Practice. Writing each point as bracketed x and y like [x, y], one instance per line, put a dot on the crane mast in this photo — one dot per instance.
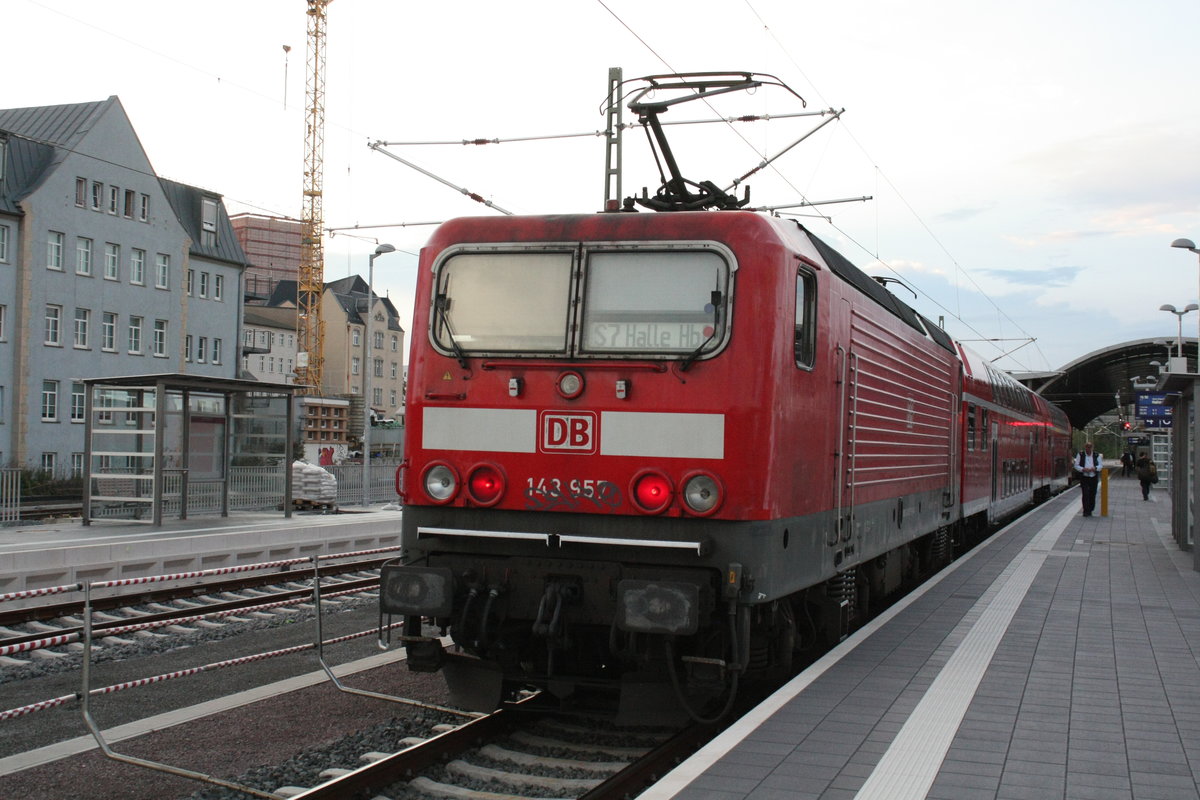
[310, 327]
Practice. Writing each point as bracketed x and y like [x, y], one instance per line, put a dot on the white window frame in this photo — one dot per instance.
[144, 208]
[49, 401]
[54, 250]
[83, 256]
[4, 237]
[216, 350]
[83, 323]
[97, 195]
[108, 332]
[53, 327]
[187, 348]
[81, 192]
[218, 288]
[112, 261]
[78, 398]
[137, 266]
[162, 271]
[160, 338]
[208, 222]
[135, 335]
[204, 284]
[201, 349]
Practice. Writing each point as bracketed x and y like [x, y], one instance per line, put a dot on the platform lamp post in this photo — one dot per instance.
[368, 368]
[1181, 362]
[1188, 244]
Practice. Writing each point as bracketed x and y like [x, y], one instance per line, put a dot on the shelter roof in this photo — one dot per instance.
[1103, 379]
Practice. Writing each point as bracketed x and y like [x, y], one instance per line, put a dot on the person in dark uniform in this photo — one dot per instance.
[1147, 474]
[1087, 465]
[1126, 464]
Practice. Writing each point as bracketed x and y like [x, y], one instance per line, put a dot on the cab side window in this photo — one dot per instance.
[806, 318]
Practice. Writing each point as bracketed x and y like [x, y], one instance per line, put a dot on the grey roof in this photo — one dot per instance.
[62, 125]
[26, 161]
[347, 292]
[177, 381]
[283, 293]
[39, 137]
[276, 317]
[186, 202]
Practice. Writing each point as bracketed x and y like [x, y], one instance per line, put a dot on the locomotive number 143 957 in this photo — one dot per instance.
[547, 493]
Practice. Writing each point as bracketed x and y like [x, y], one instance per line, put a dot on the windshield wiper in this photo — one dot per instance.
[690, 358]
[442, 304]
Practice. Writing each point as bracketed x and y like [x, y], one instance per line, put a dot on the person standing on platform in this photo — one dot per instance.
[1088, 465]
[1126, 463]
[1147, 474]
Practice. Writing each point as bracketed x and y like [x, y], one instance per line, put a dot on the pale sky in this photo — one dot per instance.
[1030, 161]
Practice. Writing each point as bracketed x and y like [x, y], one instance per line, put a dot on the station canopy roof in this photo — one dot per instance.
[1101, 380]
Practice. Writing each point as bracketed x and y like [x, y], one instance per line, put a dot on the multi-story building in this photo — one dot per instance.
[105, 270]
[269, 344]
[348, 354]
[272, 246]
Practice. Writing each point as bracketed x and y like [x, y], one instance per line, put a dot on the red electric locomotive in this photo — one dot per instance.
[653, 448]
[673, 449]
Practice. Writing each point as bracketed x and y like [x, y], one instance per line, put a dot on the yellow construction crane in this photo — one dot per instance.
[310, 327]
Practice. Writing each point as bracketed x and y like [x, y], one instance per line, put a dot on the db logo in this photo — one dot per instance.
[574, 433]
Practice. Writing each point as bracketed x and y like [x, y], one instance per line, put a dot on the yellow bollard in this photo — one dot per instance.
[1104, 492]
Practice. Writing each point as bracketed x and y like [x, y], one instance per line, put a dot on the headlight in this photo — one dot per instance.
[701, 493]
[441, 484]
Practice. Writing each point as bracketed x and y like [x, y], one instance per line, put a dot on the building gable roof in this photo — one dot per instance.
[63, 126]
[187, 203]
[25, 162]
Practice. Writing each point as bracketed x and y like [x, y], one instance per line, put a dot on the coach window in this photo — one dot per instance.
[806, 318]
[983, 430]
[970, 427]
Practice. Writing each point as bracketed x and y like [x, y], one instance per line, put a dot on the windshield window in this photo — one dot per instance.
[504, 302]
[647, 302]
[631, 301]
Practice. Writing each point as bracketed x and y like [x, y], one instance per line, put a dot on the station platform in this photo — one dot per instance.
[1058, 659]
[43, 555]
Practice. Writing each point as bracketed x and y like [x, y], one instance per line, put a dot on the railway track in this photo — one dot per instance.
[515, 752]
[60, 627]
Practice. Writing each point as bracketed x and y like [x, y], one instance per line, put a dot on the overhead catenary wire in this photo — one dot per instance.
[379, 148]
[957, 266]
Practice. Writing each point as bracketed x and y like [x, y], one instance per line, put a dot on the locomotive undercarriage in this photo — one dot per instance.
[583, 630]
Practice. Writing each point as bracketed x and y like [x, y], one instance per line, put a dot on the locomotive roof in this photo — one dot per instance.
[844, 269]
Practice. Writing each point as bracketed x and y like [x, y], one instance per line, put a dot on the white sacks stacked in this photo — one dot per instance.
[311, 483]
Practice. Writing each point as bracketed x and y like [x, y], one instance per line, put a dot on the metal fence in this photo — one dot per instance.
[250, 489]
[10, 495]
[350, 482]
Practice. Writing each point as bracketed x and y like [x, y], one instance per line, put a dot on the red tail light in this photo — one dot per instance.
[486, 484]
[652, 492]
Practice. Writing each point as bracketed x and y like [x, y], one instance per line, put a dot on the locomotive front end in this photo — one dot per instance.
[566, 480]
